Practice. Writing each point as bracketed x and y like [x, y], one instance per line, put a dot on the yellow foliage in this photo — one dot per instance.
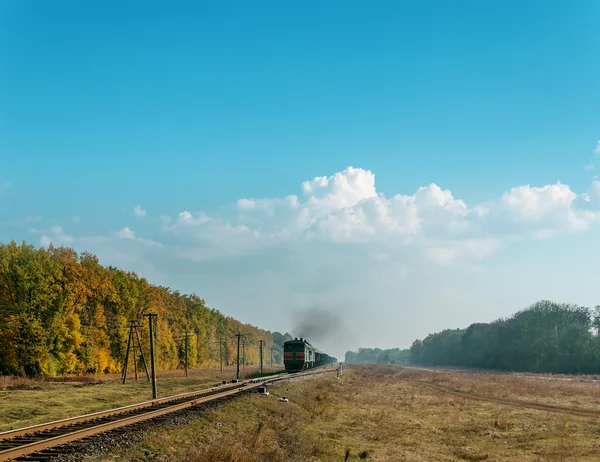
[77, 312]
[103, 360]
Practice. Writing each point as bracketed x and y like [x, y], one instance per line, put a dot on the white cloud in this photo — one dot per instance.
[121, 249]
[340, 239]
[534, 203]
[54, 235]
[593, 194]
[138, 211]
[267, 206]
[341, 190]
[345, 208]
[126, 233]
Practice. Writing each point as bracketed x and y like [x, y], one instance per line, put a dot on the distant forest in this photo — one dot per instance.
[545, 337]
[378, 356]
[64, 313]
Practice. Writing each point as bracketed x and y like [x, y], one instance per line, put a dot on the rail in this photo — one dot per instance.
[34, 439]
[10, 434]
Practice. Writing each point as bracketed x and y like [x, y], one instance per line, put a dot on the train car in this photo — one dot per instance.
[326, 359]
[299, 355]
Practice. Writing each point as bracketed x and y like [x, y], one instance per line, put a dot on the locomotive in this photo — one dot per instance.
[299, 355]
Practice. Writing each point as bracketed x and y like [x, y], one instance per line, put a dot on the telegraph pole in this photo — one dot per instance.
[221, 352]
[133, 336]
[137, 335]
[152, 363]
[134, 357]
[261, 356]
[126, 362]
[237, 373]
[186, 352]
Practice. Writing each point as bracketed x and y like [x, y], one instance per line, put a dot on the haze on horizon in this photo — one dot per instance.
[392, 170]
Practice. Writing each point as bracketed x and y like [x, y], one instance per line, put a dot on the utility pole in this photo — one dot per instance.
[237, 373]
[134, 359]
[152, 363]
[261, 358]
[137, 335]
[221, 352]
[186, 353]
[126, 362]
[131, 340]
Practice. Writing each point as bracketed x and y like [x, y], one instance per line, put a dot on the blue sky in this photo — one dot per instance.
[190, 108]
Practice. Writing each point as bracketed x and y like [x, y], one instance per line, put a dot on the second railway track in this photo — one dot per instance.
[39, 442]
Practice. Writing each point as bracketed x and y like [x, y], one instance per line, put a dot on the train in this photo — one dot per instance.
[299, 355]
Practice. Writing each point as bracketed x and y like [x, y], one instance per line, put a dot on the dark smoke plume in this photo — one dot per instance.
[317, 324]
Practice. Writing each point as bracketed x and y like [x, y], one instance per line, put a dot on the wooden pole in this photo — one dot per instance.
[186, 353]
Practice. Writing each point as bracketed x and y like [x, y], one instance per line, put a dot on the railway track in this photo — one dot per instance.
[40, 442]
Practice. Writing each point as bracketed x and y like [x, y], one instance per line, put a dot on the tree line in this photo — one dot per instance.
[64, 313]
[545, 337]
[378, 356]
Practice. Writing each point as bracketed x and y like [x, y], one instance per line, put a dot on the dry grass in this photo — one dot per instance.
[25, 402]
[375, 414]
[558, 390]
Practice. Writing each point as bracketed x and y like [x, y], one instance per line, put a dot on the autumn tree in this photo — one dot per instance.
[64, 313]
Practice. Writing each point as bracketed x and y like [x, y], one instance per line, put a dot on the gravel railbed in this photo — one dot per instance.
[126, 436]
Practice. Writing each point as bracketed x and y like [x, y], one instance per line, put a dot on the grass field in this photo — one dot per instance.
[385, 413]
[582, 391]
[25, 402]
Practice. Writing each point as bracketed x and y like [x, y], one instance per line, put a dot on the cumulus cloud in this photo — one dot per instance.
[126, 233]
[339, 243]
[341, 190]
[534, 203]
[345, 208]
[547, 210]
[138, 211]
